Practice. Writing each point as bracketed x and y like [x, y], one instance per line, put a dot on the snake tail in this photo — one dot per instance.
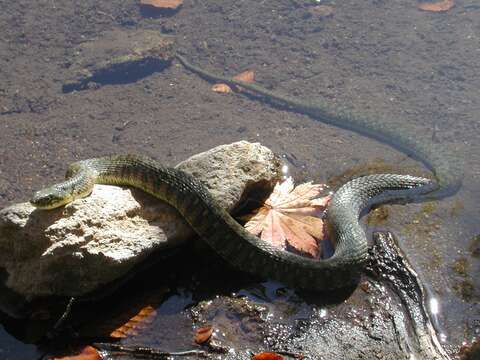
[446, 166]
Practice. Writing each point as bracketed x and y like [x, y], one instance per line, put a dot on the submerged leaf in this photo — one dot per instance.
[267, 356]
[87, 353]
[163, 4]
[247, 76]
[443, 5]
[203, 334]
[137, 323]
[291, 216]
[222, 88]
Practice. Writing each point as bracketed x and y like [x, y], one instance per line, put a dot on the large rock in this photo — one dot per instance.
[93, 241]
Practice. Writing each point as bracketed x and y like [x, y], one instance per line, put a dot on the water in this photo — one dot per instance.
[382, 59]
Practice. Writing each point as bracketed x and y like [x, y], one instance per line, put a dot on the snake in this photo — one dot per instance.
[229, 239]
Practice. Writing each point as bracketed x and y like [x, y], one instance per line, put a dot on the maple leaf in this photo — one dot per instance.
[291, 216]
[439, 6]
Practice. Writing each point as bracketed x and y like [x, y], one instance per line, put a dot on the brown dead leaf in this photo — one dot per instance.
[137, 323]
[246, 76]
[222, 88]
[443, 5]
[203, 334]
[163, 4]
[87, 353]
[291, 216]
[267, 356]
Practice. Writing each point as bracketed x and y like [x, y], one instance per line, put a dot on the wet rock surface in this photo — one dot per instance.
[92, 241]
[389, 265]
[382, 318]
[119, 56]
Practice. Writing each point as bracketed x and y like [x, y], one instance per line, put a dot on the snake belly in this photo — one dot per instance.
[225, 235]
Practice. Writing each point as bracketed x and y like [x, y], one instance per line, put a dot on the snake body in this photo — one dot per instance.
[225, 235]
[229, 239]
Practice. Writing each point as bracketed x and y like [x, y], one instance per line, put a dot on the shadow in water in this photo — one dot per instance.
[117, 74]
[172, 285]
[156, 12]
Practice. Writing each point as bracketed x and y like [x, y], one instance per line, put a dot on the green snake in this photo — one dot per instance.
[236, 245]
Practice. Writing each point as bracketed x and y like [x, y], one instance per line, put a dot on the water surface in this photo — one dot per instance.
[382, 59]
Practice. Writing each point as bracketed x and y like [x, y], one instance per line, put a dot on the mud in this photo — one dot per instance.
[380, 58]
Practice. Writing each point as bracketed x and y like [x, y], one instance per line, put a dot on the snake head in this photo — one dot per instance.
[51, 198]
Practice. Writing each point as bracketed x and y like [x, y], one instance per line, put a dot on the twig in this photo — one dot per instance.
[147, 351]
[51, 334]
[99, 12]
[294, 355]
[66, 313]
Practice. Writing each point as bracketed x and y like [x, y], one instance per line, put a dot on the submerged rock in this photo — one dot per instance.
[119, 56]
[75, 249]
[385, 317]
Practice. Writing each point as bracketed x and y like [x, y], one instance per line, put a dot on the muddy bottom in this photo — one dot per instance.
[388, 60]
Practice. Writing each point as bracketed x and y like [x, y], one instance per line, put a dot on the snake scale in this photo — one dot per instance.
[229, 239]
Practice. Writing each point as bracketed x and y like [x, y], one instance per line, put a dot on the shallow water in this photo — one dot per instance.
[382, 59]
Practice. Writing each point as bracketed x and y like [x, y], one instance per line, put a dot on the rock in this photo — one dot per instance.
[75, 249]
[119, 56]
[225, 169]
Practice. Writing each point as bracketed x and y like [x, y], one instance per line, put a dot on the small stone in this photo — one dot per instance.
[321, 11]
